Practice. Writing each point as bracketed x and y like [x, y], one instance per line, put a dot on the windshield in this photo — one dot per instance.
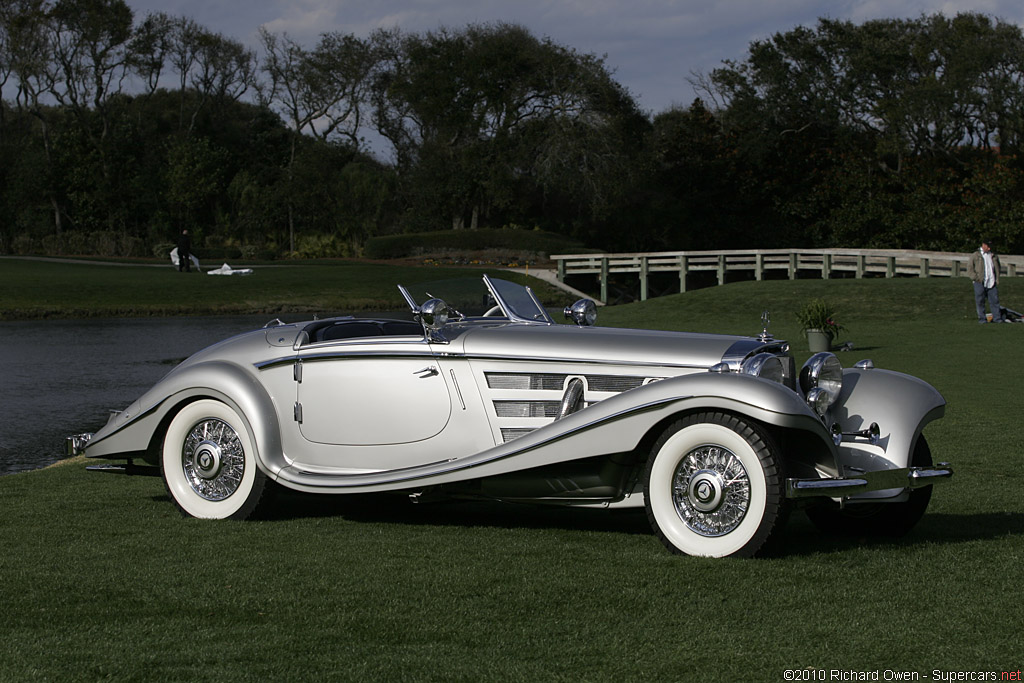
[518, 302]
[465, 298]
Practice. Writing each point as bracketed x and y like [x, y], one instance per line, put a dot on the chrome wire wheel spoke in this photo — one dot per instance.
[711, 490]
[213, 460]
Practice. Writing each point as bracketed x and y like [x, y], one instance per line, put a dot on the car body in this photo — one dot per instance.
[715, 435]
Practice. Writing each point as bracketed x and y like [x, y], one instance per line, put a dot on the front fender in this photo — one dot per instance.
[900, 404]
[133, 430]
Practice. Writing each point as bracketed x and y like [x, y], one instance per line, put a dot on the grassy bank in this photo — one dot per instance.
[42, 289]
[102, 580]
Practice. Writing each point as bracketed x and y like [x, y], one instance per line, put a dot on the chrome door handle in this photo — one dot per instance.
[429, 371]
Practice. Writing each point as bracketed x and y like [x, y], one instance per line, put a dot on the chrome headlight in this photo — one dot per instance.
[817, 399]
[434, 314]
[823, 372]
[765, 366]
[583, 312]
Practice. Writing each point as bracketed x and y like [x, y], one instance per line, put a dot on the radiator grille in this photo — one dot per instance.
[510, 433]
[555, 382]
[524, 380]
[526, 408]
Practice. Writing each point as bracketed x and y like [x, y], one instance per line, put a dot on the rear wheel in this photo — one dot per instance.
[713, 487]
[208, 462]
[890, 520]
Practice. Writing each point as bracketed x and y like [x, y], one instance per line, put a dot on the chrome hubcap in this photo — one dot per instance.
[711, 490]
[208, 460]
[706, 490]
[213, 460]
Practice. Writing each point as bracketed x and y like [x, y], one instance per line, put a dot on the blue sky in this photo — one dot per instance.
[653, 46]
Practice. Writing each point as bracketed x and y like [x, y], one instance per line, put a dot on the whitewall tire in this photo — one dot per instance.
[208, 462]
[713, 486]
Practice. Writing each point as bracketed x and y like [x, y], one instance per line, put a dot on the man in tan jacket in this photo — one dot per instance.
[983, 269]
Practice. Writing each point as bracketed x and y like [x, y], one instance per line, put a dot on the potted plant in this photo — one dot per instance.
[818, 320]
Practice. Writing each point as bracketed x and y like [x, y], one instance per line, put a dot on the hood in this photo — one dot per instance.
[606, 345]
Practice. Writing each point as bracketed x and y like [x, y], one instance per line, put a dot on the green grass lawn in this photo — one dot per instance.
[43, 289]
[103, 580]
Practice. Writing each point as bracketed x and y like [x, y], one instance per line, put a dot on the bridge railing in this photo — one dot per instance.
[821, 262]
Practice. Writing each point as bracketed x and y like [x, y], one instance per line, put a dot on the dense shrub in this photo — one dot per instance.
[536, 244]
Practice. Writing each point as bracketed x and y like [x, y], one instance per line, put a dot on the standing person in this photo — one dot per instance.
[185, 252]
[983, 270]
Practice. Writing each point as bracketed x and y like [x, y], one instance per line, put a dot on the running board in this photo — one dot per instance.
[128, 468]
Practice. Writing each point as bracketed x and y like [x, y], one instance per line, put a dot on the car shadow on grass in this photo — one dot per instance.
[398, 509]
[286, 505]
[799, 537]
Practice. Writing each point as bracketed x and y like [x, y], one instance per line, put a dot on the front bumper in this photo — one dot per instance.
[75, 444]
[859, 481]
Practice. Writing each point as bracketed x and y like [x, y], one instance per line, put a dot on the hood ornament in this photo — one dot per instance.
[765, 335]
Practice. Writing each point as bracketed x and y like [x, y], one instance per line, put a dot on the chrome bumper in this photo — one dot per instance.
[76, 443]
[862, 482]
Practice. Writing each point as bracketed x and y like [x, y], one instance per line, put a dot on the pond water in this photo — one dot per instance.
[61, 377]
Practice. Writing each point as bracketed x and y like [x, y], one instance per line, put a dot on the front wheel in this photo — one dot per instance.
[713, 487]
[208, 463]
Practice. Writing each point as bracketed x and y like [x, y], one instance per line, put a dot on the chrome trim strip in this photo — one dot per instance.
[458, 390]
[902, 478]
[578, 361]
[341, 355]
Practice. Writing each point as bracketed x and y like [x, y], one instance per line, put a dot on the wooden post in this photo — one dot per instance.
[890, 266]
[758, 266]
[561, 270]
[643, 278]
[721, 269]
[604, 280]
[924, 267]
[1011, 269]
[792, 266]
[684, 266]
[955, 272]
[861, 265]
[826, 266]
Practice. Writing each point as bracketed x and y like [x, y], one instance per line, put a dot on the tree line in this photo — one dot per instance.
[116, 132]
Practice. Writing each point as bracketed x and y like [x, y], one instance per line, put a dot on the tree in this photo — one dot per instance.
[89, 43]
[27, 30]
[471, 114]
[194, 176]
[150, 49]
[320, 92]
[856, 106]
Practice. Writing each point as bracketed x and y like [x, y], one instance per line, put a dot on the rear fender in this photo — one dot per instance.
[140, 427]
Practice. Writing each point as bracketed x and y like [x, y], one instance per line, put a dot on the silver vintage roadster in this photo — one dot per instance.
[717, 436]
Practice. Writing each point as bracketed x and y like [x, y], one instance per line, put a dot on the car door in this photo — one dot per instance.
[384, 391]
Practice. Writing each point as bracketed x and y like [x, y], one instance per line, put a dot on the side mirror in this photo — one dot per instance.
[583, 312]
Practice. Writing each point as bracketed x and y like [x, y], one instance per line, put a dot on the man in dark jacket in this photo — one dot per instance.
[184, 252]
[983, 269]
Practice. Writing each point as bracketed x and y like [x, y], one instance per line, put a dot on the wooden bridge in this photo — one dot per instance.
[795, 262]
